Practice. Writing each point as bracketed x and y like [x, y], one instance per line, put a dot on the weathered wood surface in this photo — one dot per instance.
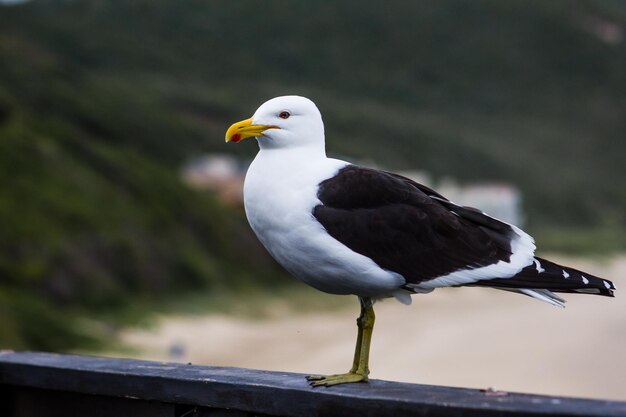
[175, 389]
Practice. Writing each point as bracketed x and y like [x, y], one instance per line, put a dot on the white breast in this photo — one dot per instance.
[280, 193]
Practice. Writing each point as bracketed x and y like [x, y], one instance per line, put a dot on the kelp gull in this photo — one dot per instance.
[345, 229]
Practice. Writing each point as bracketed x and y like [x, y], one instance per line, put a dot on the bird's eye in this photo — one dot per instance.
[284, 115]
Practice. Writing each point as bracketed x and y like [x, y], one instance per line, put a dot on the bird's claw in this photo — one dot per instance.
[336, 379]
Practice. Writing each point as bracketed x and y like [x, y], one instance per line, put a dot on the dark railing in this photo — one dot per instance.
[51, 385]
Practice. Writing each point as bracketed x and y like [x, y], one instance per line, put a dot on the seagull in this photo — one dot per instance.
[345, 229]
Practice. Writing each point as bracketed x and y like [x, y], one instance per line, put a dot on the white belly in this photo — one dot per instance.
[279, 198]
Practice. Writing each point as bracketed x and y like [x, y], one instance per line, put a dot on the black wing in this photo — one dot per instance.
[412, 230]
[407, 228]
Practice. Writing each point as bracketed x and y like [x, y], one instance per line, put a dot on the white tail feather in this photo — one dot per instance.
[541, 295]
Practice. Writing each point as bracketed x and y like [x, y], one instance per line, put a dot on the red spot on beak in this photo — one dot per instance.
[235, 138]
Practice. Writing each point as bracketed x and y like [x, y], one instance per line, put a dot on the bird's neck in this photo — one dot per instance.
[308, 151]
[280, 164]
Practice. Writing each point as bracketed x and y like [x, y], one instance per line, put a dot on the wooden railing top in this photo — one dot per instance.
[273, 393]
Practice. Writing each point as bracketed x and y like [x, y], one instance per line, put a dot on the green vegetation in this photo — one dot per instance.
[101, 101]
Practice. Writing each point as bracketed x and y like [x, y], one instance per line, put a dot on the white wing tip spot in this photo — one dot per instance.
[607, 285]
[538, 266]
[585, 280]
[565, 274]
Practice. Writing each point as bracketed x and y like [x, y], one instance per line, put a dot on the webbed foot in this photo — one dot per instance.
[336, 379]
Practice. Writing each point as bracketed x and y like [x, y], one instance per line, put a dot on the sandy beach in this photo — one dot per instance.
[466, 337]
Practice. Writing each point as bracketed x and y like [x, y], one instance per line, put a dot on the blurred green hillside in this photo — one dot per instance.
[101, 101]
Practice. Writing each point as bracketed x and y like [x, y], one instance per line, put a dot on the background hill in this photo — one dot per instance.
[102, 101]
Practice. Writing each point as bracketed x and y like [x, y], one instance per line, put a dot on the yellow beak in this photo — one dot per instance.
[245, 129]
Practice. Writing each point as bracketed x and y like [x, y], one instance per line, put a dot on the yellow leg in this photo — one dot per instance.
[368, 329]
[357, 349]
[360, 366]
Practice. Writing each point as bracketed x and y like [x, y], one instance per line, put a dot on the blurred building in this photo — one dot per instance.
[221, 173]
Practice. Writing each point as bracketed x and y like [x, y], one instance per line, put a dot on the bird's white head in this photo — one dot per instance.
[282, 122]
